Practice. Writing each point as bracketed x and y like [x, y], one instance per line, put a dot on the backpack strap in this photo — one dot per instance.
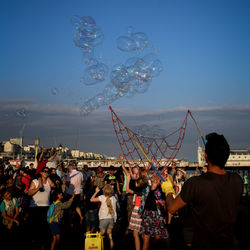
[52, 217]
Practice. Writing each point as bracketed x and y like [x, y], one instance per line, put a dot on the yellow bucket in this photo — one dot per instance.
[93, 241]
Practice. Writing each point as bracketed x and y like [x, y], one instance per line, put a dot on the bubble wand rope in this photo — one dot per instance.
[204, 142]
[139, 146]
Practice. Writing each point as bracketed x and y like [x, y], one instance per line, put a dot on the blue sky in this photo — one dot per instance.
[203, 46]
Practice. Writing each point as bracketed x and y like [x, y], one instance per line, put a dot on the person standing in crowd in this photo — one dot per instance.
[111, 179]
[74, 181]
[26, 179]
[42, 161]
[135, 219]
[98, 178]
[10, 184]
[55, 215]
[55, 178]
[179, 179]
[87, 173]
[91, 209]
[152, 212]
[173, 168]
[107, 212]
[2, 179]
[39, 193]
[59, 171]
[215, 197]
[135, 174]
[32, 171]
[120, 177]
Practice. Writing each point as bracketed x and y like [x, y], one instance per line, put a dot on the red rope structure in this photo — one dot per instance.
[161, 151]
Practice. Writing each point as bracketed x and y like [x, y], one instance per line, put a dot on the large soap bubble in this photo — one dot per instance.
[88, 35]
[126, 44]
[120, 77]
[140, 39]
[136, 41]
[95, 73]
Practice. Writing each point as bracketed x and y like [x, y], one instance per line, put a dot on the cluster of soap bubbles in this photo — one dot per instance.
[96, 72]
[136, 74]
[88, 35]
[125, 79]
[109, 94]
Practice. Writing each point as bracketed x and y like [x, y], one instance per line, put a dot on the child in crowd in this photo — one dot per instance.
[151, 211]
[107, 211]
[135, 174]
[135, 219]
[10, 210]
[55, 217]
[91, 208]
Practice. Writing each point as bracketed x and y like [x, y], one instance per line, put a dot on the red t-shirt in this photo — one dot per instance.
[40, 166]
[26, 181]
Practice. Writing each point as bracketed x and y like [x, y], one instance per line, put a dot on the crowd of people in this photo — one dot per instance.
[44, 201]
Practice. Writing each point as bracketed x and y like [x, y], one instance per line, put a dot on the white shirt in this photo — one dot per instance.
[75, 178]
[41, 199]
[103, 211]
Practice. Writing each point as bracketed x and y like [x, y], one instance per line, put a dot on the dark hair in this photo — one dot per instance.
[111, 168]
[26, 171]
[55, 193]
[142, 182]
[217, 149]
[4, 190]
[38, 176]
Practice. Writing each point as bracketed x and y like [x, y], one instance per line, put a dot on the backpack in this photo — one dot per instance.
[51, 216]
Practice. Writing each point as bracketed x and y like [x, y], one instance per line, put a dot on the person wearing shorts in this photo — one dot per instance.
[107, 212]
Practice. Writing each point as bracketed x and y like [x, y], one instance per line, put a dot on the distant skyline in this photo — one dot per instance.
[203, 46]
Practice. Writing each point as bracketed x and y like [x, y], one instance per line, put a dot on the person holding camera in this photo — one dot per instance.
[39, 193]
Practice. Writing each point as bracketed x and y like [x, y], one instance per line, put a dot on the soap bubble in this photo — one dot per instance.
[150, 131]
[91, 104]
[140, 39]
[95, 73]
[54, 91]
[21, 113]
[111, 93]
[130, 30]
[126, 44]
[120, 77]
[88, 35]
